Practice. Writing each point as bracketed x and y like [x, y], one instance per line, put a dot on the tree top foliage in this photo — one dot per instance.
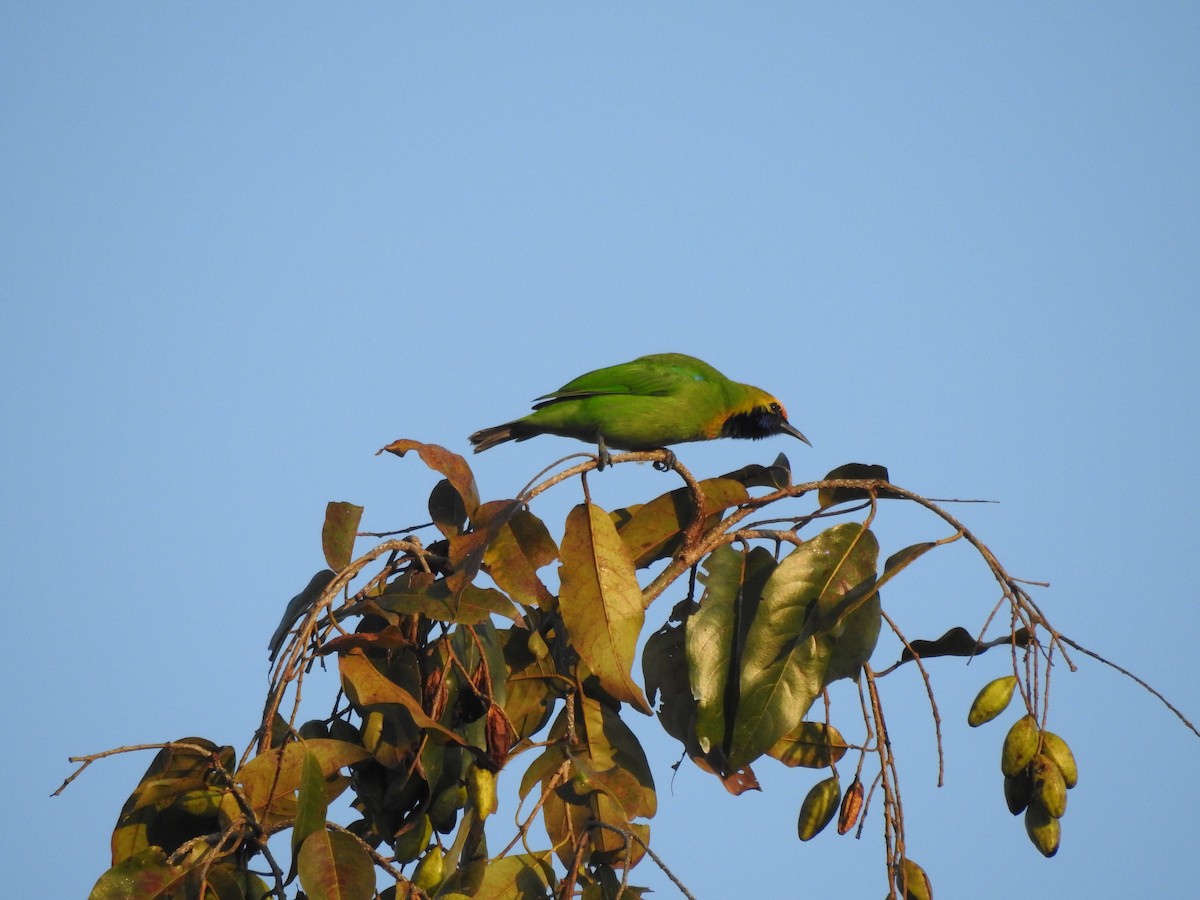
[466, 658]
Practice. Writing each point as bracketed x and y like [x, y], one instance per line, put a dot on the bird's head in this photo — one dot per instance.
[760, 416]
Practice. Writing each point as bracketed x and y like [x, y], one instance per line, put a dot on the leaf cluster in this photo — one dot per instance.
[497, 647]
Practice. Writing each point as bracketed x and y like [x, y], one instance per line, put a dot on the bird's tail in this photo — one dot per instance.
[490, 437]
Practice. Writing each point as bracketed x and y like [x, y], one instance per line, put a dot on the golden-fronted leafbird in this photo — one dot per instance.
[648, 404]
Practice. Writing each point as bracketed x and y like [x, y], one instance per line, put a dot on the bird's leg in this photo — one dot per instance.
[603, 457]
[667, 463]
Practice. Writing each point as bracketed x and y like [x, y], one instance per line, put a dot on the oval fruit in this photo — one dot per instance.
[851, 806]
[1020, 745]
[443, 811]
[1056, 748]
[1018, 791]
[818, 807]
[992, 700]
[913, 882]
[481, 791]
[1049, 788]
[1043, 829]
[412, 843]
[430, 870]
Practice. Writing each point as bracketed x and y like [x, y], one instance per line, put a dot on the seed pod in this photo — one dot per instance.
[372, 733]
[443, 811]
[992, 700]
[1043, 829]
[913, 882]
[1018, 791]
[818, 807]
[1049, 788]
[481, 791]
[1020, 745]
[1056, 748]
[851, 806]
[412, 843]
[430, 870]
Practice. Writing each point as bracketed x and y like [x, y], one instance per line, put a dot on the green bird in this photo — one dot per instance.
[647, 404]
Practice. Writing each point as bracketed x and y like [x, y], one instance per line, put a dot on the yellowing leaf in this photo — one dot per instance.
[601, 601]
[338, 533]
[271, 779]
[335, 866]
[366, 686]
[453, 466]
[656, 527]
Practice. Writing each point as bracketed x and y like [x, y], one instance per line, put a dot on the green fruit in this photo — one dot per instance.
[913, 882]
[1049, 788]
[819, 807]
[1018, 791]
[1020, 745]
[313, 730]
[372, 733]
[481, 791]
[443, 811]
[1056, 748]
[992, 700]
[1043, 829]
[341, 730]
[430, 870]
[412, 843]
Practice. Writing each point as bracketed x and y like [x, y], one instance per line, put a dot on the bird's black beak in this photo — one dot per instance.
[787, 428]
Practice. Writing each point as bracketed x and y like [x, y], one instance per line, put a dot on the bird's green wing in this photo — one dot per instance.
[650, 376]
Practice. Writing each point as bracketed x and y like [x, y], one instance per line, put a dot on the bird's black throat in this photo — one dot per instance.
[755, 424]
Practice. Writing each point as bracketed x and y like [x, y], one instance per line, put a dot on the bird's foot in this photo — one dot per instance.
[603, 457]
[667, 463]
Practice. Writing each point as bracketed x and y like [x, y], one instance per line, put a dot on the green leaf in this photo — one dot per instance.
[664, 666]
[176, 775]
[528, 876]
[225, 882]
[901, 559]
[785, 661]
[143, 876]
[709, 641]
[335, 866]
[854, 639]
[601, 601]
[311, 807]
[339, 532]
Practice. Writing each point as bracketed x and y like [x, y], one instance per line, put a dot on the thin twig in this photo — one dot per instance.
[1142, 683]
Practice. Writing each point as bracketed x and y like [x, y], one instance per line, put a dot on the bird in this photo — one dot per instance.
[648, 404]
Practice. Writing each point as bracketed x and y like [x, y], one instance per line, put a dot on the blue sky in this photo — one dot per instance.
[245, 246]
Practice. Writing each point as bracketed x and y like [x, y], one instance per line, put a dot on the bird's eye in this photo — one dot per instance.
[776, 408]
